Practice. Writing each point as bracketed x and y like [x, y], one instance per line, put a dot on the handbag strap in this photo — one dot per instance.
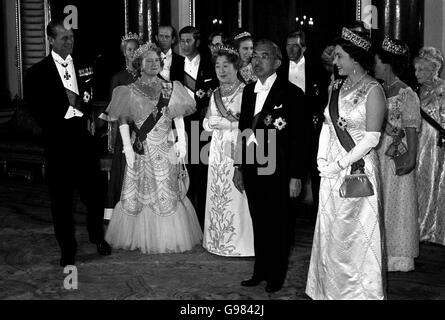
[343, 135]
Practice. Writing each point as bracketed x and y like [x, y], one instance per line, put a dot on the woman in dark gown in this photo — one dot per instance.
[130, 74]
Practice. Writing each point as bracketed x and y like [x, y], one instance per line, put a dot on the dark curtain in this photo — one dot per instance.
[4, 94]
[403, 20]
[275, 19]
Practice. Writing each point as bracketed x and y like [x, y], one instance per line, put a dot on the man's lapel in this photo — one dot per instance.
[271, 101]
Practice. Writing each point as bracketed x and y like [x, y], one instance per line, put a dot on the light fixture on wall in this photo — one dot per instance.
[216, 21]
[304, 21]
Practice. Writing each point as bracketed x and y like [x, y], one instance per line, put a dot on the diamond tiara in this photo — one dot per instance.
[131, 36]
[392, 47]
[242, 35]
[148, 46]
[225, 49]
[355, 39]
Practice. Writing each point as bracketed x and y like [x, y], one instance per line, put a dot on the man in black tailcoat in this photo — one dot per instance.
[199, 80]
[270, 161]
[306, 72]
[59, 99]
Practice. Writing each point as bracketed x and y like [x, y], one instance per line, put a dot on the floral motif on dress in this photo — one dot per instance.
[221, 227]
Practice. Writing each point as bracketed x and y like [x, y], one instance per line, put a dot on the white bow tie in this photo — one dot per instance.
[261, 87]
[73, 113]
[67, 61]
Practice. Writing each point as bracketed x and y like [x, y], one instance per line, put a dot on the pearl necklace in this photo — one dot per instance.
[227, 90]
[347, 86]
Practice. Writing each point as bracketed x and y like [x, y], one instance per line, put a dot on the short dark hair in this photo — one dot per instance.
[298, 34]
[218, 33]
[174, 32]
[398, 62]
[275, 50]
[365, 58]
[51, 27]
[192, 30]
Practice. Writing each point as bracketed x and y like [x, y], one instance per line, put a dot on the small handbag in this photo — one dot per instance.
[356, 185]
[184, 180]
[400, 161]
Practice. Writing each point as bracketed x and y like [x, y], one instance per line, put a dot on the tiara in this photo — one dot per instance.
[392, 47]
[242, 35]
[225, 49]
[355, 39]
[131, 36]
[148, 46]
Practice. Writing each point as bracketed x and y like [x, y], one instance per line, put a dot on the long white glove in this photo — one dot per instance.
[322, 158]
[217, 122]
[369, 141]
[128, 148]
[181, 145]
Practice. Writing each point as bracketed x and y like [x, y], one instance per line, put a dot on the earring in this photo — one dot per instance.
[354, 72]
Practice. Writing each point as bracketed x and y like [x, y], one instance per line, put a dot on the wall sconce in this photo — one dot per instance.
[216, 21]
[304, 21]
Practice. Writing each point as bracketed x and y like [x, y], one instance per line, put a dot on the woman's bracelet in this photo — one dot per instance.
[339, 165]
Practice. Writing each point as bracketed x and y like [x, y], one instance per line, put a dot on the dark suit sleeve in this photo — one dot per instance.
[32, 95]
[299, 129]
[243, 124]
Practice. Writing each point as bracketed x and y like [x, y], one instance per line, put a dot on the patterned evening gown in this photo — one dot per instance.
[399, 192]
[430, 174]
[228, 225]
[347, 250]
[152, 215]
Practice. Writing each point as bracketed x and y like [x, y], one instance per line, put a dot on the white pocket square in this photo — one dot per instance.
[72, 112]
[207, 80]
[278, 107]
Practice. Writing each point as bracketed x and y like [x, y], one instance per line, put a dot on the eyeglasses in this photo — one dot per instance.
[152, 61]
[262, 57]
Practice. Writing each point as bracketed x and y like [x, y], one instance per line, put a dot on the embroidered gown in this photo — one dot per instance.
[399, 192]
[228, 225]
[346, 257]
[152, 215]
[430, 173]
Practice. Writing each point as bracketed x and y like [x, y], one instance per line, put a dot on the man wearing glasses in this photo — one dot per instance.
[270, 111]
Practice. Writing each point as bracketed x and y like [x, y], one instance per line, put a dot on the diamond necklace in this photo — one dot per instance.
[347, 87]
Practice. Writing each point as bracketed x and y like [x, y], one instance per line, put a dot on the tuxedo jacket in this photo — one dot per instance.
[177, 67]
[285, 102]
[206, 82]
[48, 103]
[314, 85]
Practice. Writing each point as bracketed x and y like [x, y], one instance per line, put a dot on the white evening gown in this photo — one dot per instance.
[347, 250]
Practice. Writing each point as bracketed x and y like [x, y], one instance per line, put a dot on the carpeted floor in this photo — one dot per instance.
[29, 258]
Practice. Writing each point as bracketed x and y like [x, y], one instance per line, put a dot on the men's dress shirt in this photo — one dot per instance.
[262, 91]
[167, 58]
[297, 73]
[191, 67]
[65, 67]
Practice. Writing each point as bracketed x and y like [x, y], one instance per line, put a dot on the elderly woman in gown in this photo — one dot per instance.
[153, 215]
[228, 225]
[430, 172]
